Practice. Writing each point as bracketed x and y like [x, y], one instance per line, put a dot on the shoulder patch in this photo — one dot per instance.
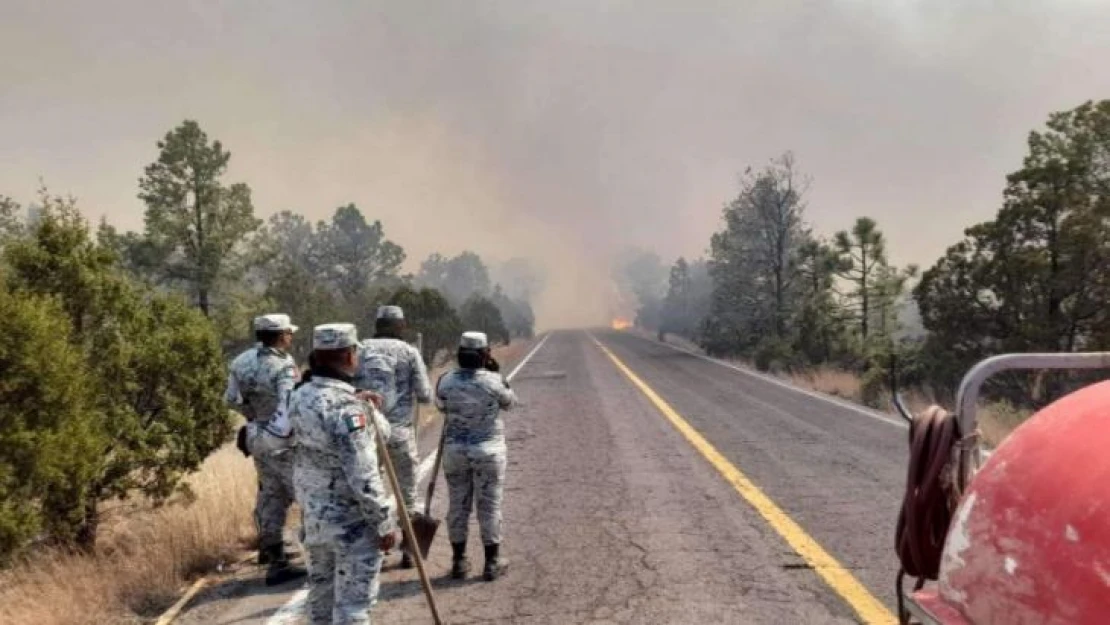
[355, 422]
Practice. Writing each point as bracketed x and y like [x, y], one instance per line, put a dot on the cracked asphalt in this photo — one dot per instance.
[612, 517]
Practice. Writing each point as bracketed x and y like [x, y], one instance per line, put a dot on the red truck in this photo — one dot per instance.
[1020, 536]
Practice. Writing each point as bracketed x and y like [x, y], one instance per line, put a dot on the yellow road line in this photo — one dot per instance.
[870, 610]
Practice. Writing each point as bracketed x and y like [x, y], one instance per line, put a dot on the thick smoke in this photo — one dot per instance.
[561, 132]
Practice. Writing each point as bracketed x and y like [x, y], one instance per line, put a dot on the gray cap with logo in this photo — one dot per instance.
[474, 340]
[274, 323]
[393, 313]
[334, 336]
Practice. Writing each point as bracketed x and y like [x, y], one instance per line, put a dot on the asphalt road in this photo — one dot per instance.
[612, 516]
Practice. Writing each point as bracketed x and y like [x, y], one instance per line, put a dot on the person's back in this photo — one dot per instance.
[348, 519]
[474, 451]
[263, 375]
[408, 381]
[377, 372]
[472, 400]
[395, 370]
[323, 413]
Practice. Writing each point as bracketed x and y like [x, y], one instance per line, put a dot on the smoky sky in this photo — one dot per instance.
[559, 131]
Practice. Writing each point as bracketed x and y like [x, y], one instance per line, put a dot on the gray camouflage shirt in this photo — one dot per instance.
[335, 461]
[409, 376]
[259, 380]
[472, 401]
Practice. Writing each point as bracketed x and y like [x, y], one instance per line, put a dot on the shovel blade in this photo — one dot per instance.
[425, 528]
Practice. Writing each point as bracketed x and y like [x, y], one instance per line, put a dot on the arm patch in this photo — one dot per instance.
[355, 422]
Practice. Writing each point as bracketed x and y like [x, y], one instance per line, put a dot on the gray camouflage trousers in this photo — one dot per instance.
[275, 495]
[475, 475]
[343, 578]
[402, 451]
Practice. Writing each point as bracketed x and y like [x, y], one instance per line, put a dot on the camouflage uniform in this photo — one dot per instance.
[260, 381]
[474, 452]
[346, 509]
[396, 370]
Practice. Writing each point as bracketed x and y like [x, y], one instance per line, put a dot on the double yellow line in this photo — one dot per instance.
[869, 609]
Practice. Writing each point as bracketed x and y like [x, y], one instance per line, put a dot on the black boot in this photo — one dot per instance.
[406, 556]
[280, 569]
[460, 566]
[495, 565]
[265, 555]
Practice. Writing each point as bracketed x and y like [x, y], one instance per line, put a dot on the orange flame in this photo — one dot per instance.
[621, 323]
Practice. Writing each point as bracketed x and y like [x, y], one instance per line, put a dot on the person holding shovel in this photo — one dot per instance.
[348, 517]
[474, 453]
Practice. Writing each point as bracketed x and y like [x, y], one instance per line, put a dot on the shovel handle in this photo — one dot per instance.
[406, 525]
[435, 471]
[439, 457]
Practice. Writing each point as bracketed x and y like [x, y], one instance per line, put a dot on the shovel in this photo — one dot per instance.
[406, 524]
[423, 525]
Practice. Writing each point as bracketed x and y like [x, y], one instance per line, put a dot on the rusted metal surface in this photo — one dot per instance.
[1030, 542]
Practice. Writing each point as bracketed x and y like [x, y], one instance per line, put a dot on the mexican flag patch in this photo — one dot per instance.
[355, 422]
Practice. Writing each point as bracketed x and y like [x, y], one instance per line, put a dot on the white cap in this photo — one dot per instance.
[334, 336]
[390, 312]
[274, 323]
[474, 340]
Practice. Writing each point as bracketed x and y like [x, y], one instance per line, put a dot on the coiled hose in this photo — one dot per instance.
[934, 484]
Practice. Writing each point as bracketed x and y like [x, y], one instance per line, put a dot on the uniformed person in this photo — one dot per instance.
[278, 434]
[390, 366]
[471, 398]
[259, 383]
[348, 518]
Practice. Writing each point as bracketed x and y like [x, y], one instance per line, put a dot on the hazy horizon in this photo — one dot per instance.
[563, 134]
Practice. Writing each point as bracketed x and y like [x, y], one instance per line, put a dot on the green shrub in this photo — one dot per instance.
[128, 394]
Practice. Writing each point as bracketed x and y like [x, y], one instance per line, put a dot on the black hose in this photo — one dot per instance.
[934, 485]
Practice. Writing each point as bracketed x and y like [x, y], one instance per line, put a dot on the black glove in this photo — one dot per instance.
[493, 365]
[241, 442]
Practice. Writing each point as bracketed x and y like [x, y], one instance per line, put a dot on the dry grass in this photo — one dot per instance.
[145, 555]
[996, 419]
[836, 382]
